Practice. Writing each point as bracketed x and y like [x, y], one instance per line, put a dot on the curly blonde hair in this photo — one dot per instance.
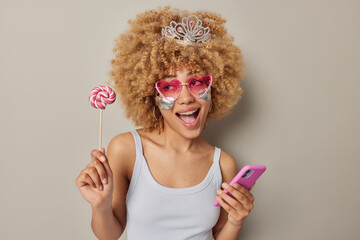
[143, 56]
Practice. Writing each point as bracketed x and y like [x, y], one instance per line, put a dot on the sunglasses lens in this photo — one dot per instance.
[170, 90]
[200, 86]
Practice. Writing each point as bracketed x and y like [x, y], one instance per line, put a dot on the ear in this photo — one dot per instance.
[156, 100]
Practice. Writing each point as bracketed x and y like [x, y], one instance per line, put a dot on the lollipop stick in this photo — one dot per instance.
[100, 136]
[99, 97]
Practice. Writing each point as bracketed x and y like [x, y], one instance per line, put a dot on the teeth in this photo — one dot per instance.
[188, 113]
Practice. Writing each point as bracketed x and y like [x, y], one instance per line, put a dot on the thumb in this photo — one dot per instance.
[103, 150]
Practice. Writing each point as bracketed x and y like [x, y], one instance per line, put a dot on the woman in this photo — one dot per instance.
[160, 181]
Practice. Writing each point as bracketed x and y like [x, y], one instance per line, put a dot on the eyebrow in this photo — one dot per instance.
[169, 76]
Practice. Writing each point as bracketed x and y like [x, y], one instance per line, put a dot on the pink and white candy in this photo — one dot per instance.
[101, 95]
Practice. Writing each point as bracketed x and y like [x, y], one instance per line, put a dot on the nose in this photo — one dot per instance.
[185, 95]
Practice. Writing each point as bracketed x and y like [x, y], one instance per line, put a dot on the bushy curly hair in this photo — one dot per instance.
[143, 56]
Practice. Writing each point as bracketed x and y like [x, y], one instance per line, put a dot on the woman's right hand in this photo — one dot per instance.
[90, 181]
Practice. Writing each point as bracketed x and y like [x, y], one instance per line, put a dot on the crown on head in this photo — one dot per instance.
[190, 30]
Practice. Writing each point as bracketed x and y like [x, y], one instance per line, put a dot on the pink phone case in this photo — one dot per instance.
[247, 181]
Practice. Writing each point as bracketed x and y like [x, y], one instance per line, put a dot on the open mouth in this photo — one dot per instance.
[188, 119]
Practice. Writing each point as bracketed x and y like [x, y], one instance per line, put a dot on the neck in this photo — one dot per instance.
[177, 142]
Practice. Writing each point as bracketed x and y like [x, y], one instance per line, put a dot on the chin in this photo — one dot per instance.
[191, 134]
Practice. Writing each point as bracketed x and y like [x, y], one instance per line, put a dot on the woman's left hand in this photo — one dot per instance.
[238, 208]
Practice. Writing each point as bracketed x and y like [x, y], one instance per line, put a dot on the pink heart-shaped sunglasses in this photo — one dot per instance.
[171, 90]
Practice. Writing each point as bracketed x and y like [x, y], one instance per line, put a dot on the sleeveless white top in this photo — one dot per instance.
[156, 212]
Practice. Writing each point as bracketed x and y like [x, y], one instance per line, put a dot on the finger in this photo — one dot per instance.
[244, 191]
[96, 154]
[89, 181]
[225, 205]
[101, 169]
[93, 173]
[240, 197]
[233, 202]
[105, 163]
[84, 179]
[252, 186]
[107, 167]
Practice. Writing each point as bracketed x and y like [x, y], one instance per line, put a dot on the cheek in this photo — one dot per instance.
[164, 103]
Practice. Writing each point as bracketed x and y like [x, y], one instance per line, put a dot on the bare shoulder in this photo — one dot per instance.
[121, 141]
[121, 152]
[228, 166]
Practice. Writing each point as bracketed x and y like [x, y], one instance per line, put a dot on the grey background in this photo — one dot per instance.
[299, 114]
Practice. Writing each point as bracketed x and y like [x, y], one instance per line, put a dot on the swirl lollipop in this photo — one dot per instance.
[99, 97]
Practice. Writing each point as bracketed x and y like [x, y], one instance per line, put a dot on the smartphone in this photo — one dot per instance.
[246, 177]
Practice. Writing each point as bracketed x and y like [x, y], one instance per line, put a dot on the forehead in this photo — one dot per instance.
[181, 71]
[172, 70]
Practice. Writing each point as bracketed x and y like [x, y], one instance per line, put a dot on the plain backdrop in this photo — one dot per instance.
[299, 114]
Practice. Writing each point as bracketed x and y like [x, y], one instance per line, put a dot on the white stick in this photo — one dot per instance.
[100, 136]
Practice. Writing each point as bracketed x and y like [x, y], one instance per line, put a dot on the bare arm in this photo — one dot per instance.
[235, 210]
[228, 232]
[105, 225]
[108, 223]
